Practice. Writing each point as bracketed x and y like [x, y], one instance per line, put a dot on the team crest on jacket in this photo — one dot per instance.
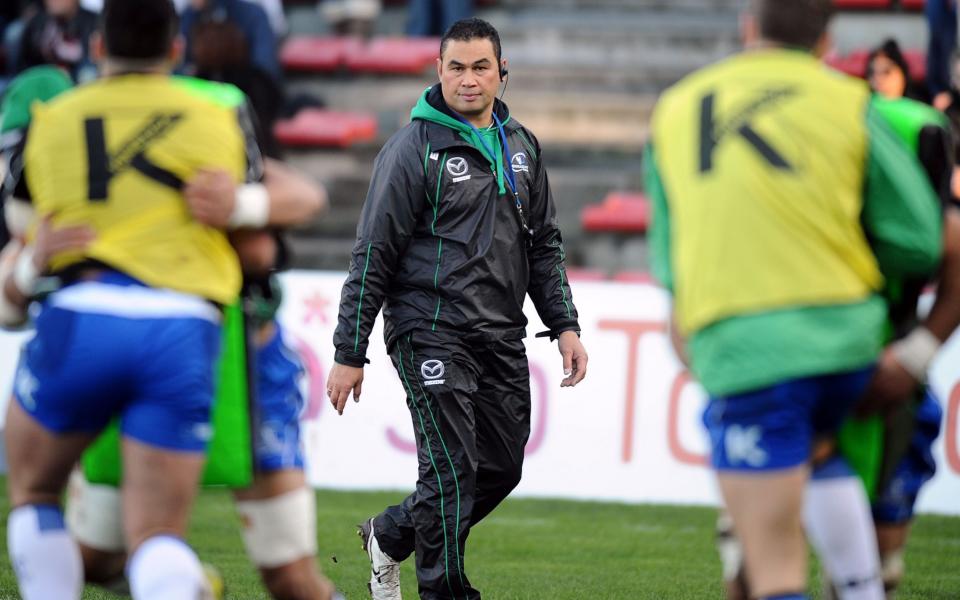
[457, 167]
[432, 371]
[519, 163]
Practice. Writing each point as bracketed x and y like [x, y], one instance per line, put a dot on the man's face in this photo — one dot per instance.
[469, 77]
[61, 8]
[886, 78]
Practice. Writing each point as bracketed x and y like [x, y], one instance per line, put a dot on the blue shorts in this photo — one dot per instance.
[775, 428]
[115, 347]
[895, 501]
[279, 405]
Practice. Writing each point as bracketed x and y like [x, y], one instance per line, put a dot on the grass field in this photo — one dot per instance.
[541, 549]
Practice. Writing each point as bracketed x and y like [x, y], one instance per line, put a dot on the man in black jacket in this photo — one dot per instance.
[458, 227]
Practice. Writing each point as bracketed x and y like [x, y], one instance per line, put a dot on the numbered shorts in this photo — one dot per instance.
[896, 499]
[774, 428]
[115, 347]
[280, 402]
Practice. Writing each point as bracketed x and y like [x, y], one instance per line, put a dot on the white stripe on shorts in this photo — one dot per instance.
[133, 301]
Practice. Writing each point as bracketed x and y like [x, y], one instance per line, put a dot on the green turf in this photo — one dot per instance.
[545, 549]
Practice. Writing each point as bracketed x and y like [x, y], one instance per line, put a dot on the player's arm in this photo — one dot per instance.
[549, 288]
[659, 239]
[394, 203]
[901, 212]
[283, 198]
[22, 265]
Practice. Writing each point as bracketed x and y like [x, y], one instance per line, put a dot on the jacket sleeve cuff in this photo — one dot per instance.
[554, 332]
[350, 359]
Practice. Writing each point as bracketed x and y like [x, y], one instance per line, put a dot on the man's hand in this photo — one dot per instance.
[50, 241]
[211, 197]
[574, 358]
[891, 386]
[340, 382]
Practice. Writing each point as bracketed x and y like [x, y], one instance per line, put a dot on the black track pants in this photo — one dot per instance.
[470, 405]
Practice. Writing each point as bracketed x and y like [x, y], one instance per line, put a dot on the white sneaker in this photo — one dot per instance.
[384, 571]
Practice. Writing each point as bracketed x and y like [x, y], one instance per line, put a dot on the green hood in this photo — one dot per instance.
[426, 111]
[38, 84]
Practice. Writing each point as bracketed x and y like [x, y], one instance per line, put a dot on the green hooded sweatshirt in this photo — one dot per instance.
[490, 140]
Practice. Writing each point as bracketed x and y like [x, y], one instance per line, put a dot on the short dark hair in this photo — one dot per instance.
[799, 23]
[473, 28]
[891, 49]
[139, 29]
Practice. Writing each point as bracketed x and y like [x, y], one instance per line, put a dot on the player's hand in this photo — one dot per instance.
[51, 240]
[574, 358]
[211, 197]
[890, 387]
[340, 382]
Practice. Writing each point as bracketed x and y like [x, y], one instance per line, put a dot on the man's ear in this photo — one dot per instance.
[98, 51]
[175, 56]
[824, 44]
[749, 29]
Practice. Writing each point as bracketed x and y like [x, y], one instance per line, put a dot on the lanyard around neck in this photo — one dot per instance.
[507, 169]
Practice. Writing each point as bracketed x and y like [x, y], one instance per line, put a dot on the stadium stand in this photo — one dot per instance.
[326, 129]
[620, 212]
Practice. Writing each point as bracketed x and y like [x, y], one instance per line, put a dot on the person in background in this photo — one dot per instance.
[889, 74]
[762, 216]
[427, 18]
[458, 228]
[59, 34]
[942, 28]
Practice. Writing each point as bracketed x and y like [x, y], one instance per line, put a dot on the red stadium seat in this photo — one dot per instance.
[913, 4]
[855, 63]
[620, 212]
[318, 54]
[586, 275]
[862, 4]
[394, 55]
[633, 277]
[324, 128]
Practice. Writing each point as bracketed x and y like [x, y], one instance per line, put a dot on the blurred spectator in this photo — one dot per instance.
[13, 14]
[220, 49]
[942, 21]
[274, 10]
[433, 17]
[951, 108]
[58, 34]
[351, 17]
[216, 17]
[889, 74]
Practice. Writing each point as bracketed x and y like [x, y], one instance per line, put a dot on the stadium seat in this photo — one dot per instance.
[620, 212]
[326, 129]
[317, 53]
[913, 4]
[862, 4]
[586, 275]
[855, 63]
[394, 55]
[633, 277]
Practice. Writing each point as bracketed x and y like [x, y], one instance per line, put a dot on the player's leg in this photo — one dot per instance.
[439, 376]
[893, 508]
[45, 558]
[838, 525]
[95, 520]
[165, 429]
[279, 517]
[761, 443]
[61, 401]
[502, 410]
[278, 510]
